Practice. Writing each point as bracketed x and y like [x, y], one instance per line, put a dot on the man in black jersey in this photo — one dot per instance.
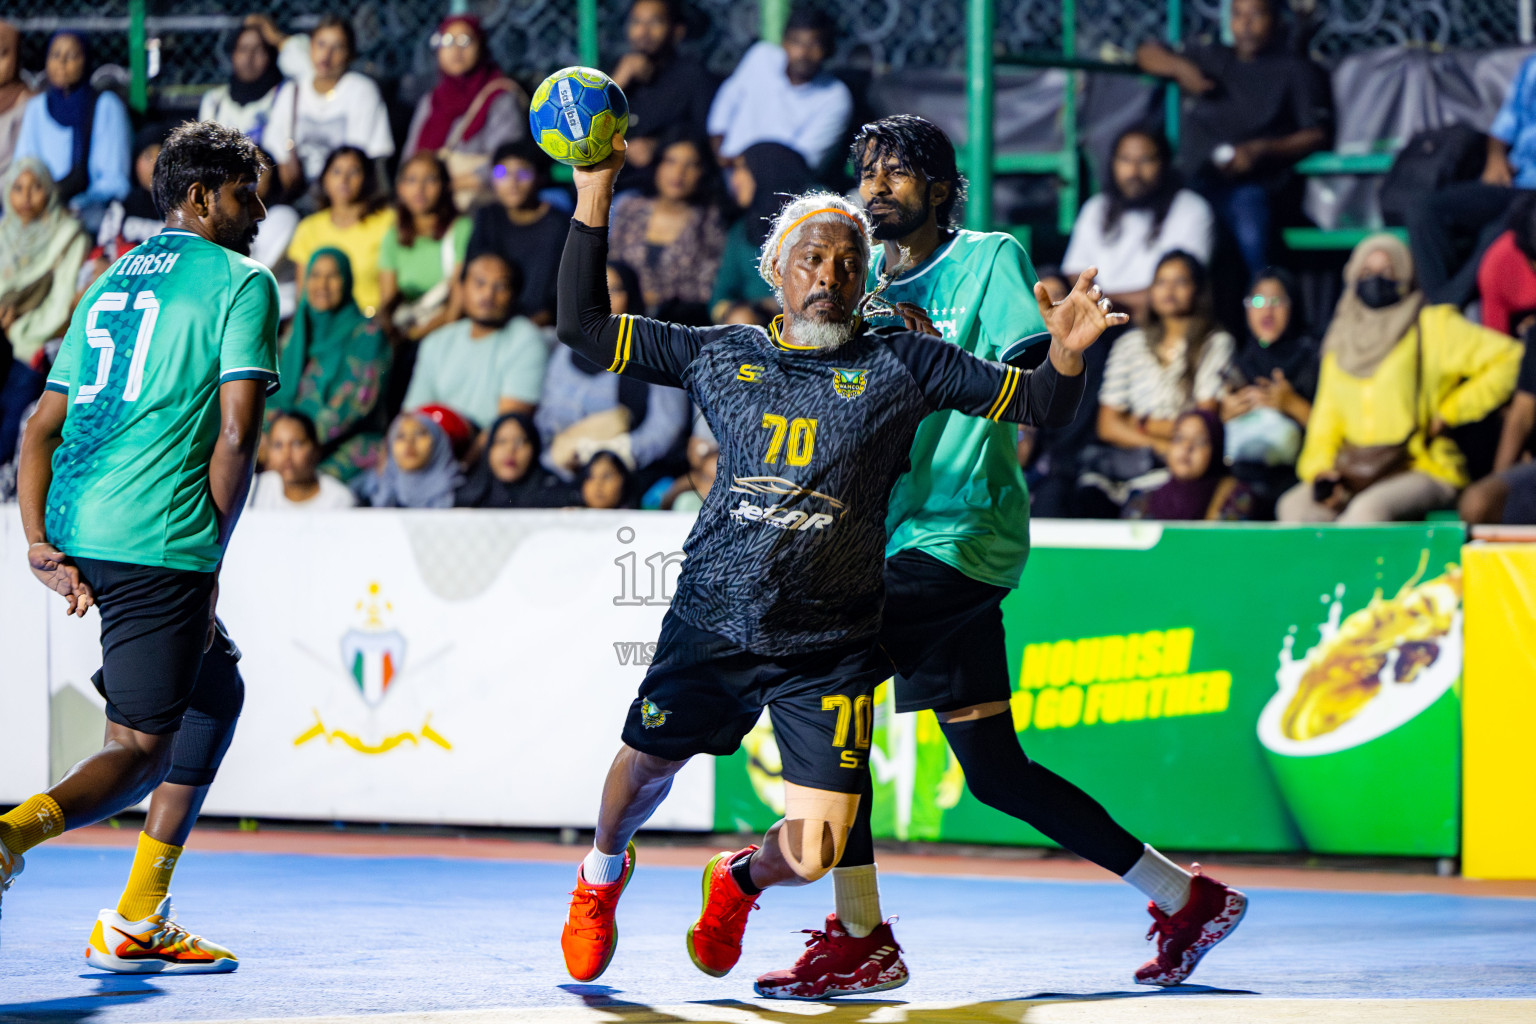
[778, 603]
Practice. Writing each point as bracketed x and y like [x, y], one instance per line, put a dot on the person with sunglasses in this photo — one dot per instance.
[521, 227]
[473, 108]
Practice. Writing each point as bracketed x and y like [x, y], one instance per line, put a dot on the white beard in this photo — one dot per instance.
[822, 335]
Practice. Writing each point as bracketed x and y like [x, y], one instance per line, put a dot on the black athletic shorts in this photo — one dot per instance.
[944, 631]
[153, 625]
[703, 693]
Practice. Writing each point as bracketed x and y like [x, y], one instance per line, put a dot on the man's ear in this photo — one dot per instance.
[778, 278]
[679, 33]
[201, 197]
[938, 192]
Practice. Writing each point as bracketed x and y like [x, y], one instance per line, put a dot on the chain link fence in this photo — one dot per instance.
[529, 38]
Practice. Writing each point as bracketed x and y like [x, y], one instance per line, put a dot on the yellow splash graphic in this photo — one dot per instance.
[318, 731]
[1347, 673]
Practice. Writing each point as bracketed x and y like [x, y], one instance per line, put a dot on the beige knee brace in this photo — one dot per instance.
[815, 829]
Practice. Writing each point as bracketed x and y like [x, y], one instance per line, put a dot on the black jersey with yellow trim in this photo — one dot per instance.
[787, 552]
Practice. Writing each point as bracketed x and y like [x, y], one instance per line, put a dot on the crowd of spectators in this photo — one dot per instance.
[419, 284]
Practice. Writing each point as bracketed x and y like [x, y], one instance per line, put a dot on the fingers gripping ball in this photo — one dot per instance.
[575, 113]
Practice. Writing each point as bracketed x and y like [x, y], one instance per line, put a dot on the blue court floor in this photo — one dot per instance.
[339, 936]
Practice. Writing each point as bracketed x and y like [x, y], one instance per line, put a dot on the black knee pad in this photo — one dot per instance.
[209, 723]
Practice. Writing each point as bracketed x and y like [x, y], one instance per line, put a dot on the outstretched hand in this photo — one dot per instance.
[60, 575]
[602, 173]
[1077, 320]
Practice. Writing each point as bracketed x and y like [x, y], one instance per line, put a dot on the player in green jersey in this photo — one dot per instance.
[958, 529]
[133, 473]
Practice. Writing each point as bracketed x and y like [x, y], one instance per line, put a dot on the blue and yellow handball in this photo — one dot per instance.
[575, 113]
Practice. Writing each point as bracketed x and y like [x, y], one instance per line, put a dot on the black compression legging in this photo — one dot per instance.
[1000, 775]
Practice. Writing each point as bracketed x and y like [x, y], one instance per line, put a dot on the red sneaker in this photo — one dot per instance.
[1210, 915]
[714, 941]
[591, 935]
[837, 964]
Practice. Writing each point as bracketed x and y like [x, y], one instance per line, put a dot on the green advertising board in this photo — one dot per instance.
[1216, 687]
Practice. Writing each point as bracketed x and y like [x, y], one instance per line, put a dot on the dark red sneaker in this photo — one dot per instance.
[1210, 915]
[714, 940]
[837, 964]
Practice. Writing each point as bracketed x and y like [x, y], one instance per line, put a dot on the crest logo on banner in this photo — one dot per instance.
[374, 654]
[373, 659]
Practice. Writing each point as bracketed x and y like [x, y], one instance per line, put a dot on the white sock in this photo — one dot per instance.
[602, 868]
[1160, 880]
[857, 894]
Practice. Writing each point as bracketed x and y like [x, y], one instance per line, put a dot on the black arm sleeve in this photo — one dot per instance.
[648, 350]
[954, 379]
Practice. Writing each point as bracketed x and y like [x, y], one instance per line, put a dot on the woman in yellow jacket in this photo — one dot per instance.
[1395, 374]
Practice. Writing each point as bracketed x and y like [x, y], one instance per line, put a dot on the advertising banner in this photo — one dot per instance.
[465, 667]
[1216, 688]
[1499, 773]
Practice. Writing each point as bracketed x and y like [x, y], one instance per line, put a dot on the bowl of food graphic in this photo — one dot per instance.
[1363, 733]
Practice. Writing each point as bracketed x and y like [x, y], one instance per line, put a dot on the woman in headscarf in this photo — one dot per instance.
[762, 180]
[606, 482]
[82, 135]
[419, 469]
[41, 250]
[244, 103]
[473, 108]
[334, 366]
[1198, 487]
[1273, 382]
[508, 474]
[13, 93]
[1396, 373]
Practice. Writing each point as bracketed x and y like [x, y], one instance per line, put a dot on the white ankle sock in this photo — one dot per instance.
[1161, 880]
[857, 894]
[602, 868]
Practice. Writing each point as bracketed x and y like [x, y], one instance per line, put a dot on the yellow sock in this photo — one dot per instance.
[33, 822]
[150, 878]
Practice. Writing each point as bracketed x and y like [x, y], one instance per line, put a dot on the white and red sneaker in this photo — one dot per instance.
[1183, 938]
[837, 964]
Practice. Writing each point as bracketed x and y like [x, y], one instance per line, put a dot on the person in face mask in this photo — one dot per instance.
[1396, 373]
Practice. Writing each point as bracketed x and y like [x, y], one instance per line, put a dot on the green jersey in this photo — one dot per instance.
[141, 365]
[963, 500]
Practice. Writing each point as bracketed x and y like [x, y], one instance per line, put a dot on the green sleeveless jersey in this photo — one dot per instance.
[963, 500]
[141, 365]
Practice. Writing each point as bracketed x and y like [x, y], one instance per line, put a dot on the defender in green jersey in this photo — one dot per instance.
[958, 529]
[133, 473]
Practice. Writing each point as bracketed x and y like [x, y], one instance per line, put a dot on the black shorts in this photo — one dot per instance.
[153, 625]
[703, 693]
[944, 631]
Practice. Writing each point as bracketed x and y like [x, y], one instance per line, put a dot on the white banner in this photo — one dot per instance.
[466, 667]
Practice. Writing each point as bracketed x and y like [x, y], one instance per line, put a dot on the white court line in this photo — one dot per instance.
[1152, 1008]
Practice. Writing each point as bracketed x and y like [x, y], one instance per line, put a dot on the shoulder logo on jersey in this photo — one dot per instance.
[776, 513]
[749, 371]
[652, 716]
[849, 384]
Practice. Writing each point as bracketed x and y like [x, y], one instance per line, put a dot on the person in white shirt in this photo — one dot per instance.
[783, 94]
[291, 480]
[1140, 217]
[257, 67]
[326, 108]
